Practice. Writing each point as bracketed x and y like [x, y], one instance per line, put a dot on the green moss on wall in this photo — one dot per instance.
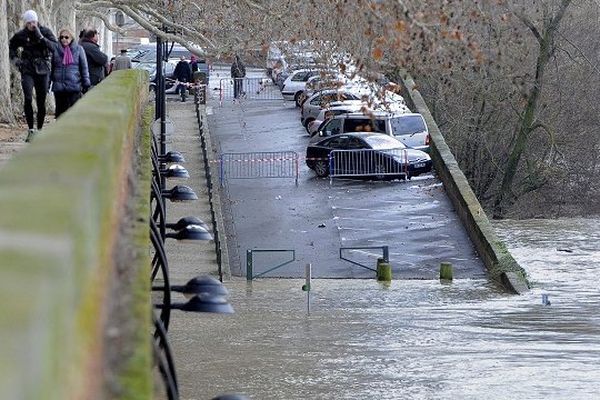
[60, 201]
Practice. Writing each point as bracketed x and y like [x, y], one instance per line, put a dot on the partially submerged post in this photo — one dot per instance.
[446, 271]
[384, 270]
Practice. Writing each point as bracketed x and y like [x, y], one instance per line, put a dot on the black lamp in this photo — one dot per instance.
[179, 193]
[189, 233]
[171, 157]
[175, 171]
[201, 284]
[185, 221]
[204, 302]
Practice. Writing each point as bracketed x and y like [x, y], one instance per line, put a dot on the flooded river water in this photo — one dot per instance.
[414, 339]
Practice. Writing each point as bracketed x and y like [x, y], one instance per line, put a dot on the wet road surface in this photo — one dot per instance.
[413, 218]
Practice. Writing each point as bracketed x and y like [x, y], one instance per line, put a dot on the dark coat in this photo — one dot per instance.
[96, 60]
[183, 71]
[73, 77]
[238, 69]
[36, 52]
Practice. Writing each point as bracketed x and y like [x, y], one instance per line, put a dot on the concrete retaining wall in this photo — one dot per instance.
[62, 205]
[502, 267]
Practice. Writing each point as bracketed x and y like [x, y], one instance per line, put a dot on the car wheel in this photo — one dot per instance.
[322, 168]
[307, 121]
[298, 98]
[380, 171]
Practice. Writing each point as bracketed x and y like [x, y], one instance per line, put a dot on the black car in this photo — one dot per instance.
[361, 154]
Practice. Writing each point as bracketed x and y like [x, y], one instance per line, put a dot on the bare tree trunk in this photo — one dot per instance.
[505, 198]
[6, 111]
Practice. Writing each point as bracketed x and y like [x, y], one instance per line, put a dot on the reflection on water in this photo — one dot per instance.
[413, 339]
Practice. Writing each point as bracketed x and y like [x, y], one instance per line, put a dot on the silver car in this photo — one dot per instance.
[323, 99]
[410, 128]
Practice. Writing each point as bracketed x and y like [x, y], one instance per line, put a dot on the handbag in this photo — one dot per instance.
[41, 66]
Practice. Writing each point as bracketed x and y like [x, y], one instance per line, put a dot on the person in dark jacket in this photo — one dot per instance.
[238, 72]
[183, 74]
[194, 64]
[97, 61]
[34, 65]
[70, 74]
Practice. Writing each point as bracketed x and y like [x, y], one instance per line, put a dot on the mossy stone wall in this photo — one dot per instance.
[503, 268]
[61, 204]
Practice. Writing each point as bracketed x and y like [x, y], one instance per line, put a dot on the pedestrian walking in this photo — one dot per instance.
[97, 61]
[238, 72]
[29, 51]
[122, 61]
[183, 74]
[70, 76]
[194, 64]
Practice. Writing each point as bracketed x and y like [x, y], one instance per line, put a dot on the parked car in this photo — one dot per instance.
[317, 83]
[325, 98]
[390, 156]
[294, 84]
[409, 128]
[168, 69]
[330, 112]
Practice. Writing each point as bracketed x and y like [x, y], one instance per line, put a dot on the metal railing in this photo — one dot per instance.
[209, 185]
[385, 254]
[367, 162]
[273, 164]
[248, 89]
[250, 261]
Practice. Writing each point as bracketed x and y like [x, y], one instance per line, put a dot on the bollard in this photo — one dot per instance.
[384, 270]
[446, 271]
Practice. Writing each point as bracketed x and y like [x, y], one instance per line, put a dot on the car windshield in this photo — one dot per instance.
[383, 142]
[407, 125]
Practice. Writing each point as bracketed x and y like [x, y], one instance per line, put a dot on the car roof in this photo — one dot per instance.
[359, 135]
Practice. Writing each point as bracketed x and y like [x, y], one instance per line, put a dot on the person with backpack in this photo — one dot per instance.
[29, 51]
[238, 72]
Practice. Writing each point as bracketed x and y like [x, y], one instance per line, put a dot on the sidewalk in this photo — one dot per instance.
[187, 260]
[188, 331]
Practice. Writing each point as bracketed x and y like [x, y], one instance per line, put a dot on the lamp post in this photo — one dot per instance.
[119, 21]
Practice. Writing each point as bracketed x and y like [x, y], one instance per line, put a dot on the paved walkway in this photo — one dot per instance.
[187, 260]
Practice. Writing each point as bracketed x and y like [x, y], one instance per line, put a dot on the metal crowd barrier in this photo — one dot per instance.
[274, 164]
[250, 89]
[250, 261]
[367, 162]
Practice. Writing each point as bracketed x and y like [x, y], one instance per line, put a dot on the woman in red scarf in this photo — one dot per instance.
[70, 75]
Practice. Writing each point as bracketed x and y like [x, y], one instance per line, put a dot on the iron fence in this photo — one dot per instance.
[368, 162]
[248, 89]
[254, 165]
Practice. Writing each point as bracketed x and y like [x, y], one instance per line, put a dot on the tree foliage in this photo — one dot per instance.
[512, 83]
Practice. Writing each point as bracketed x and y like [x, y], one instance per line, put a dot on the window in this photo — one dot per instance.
[333, 127]
[382, 142]
[357, 125]
[338, 142]
[408, 124]
[355, 143]
[300, 76]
